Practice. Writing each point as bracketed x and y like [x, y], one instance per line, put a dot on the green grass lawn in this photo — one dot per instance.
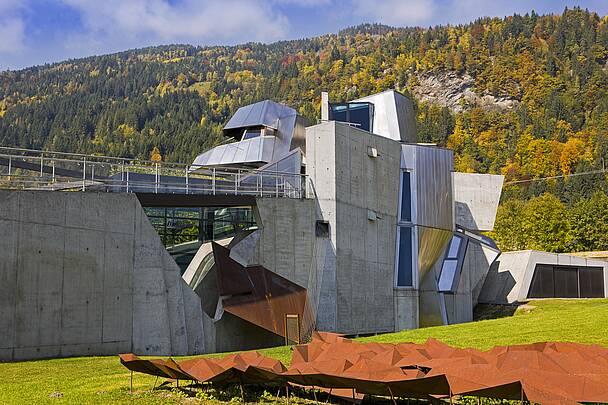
[88, 380]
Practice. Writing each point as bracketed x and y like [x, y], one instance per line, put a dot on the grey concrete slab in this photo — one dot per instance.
[39, 285]
[8, 281]
[118, 288]
[9, 205]
[82, 278]
[82, 290]
[476, 199]
[42, 207]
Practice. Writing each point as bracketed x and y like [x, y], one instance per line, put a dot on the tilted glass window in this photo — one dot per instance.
[406, 197]
[338, 112]
[454, 247]
[452, 265]
[405, 260]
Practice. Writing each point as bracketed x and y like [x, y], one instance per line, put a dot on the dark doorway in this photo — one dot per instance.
[554, 281]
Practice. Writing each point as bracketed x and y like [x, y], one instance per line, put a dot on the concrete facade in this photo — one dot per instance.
[86, 274]
[358, 195]
[476, 199]
[510, 277]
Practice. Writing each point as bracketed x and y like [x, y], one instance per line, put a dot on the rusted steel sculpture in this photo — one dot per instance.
[545, 373]
[260, 296]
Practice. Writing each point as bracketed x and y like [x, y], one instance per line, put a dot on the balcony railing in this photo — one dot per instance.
[58, 171]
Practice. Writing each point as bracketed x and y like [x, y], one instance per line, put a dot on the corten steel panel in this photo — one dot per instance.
[260, 296]
[547, 373]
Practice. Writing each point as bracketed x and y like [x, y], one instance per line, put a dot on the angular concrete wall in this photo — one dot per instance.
[477, 262]
[288, 245]
[352, 187]
[510, 277]
[477, 197]
[86, 274]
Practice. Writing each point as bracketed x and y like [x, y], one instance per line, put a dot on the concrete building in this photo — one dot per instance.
[528, 274]
[346, 226]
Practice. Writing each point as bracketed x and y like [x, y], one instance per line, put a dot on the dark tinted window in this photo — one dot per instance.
[358, 114]
[591, 281]
[406, 198]
[338, 112]
[404, 269]
[252, 133]
[566, 282]
[551, 281]
[542, 282]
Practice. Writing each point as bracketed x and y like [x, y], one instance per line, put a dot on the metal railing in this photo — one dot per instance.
[59, 171]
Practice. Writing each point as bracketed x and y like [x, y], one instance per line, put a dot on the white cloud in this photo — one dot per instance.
[186, 21]
[395, 12]
[12, 33]
[304, 3]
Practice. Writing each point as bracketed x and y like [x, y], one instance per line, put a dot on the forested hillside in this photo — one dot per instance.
[535, 105]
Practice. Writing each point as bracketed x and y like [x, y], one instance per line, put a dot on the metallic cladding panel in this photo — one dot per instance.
[299, 134]
[406, 118]
[432, 169]
[289, 134]
[254, 150]
[242, 151]
[264, 113]
[476, 199]
[431, 246]
[393, 116]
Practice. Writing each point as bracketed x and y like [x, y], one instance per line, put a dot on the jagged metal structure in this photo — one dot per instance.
[264, 132]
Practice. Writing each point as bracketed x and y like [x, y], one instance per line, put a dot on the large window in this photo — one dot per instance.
[405, 261]
[406, 197]
[405, 235]
[553, 281]
[359, 114]
[452, 265]
[184, 229]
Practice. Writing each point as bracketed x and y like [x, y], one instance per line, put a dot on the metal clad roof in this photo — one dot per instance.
[264, 113]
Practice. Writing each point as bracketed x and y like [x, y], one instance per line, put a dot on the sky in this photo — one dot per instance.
[34, 32]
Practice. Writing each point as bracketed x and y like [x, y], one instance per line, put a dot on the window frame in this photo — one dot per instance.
[413, 232]
[347, 105]
[461, 252]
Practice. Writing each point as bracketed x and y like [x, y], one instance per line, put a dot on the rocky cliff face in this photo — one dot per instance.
[456, 92]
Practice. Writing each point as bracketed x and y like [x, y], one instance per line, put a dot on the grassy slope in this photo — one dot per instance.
[103, 379]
